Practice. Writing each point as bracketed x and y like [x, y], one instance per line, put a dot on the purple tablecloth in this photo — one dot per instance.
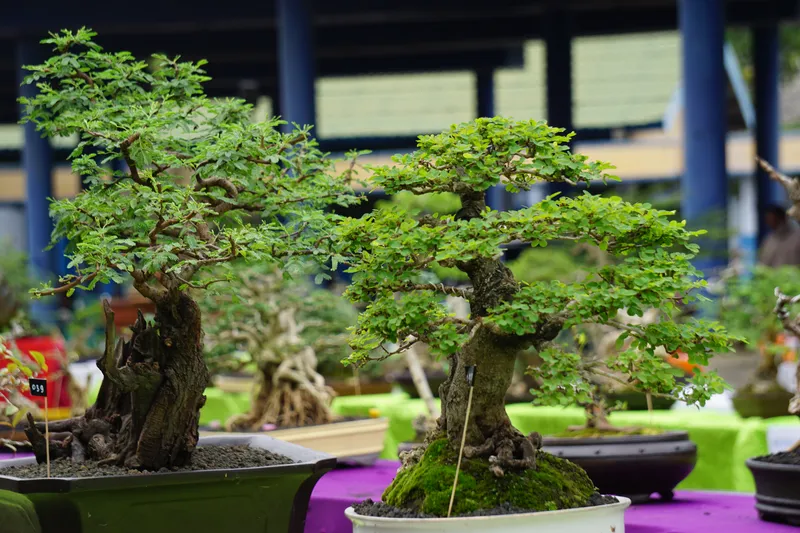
[691, 512]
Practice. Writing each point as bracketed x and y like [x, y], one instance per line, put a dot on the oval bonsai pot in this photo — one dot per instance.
[635, 466]
[599, 519]
[260, 499]
[345, 387]
[406, 382]
[777, 491]
[767, 404]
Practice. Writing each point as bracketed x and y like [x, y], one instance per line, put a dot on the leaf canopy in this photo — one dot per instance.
[392, 247]
[203, 183]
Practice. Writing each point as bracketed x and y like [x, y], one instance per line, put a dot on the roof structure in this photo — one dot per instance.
[351, 36]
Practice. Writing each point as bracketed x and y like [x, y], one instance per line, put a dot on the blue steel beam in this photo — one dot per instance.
[296, 68]
[37, 162]
[704, 185]
[484, 98]
[558, 45]
[766, 55]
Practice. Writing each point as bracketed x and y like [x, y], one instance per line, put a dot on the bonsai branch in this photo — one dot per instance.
[75, 282]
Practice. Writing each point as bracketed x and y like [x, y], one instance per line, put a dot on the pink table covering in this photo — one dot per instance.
[691, 512]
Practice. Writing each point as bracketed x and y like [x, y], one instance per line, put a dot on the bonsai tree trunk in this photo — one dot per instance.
[291, 392]
[288, 396]
[147, 411]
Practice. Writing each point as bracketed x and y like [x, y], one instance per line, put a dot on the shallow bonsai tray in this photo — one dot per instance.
[265, 499]
[349, 440]
[777, 491]
[599, 519]
[234, 383]
[635, 466]
[768, 404]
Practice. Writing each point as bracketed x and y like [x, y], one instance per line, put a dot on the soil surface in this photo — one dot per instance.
[203, 458]
[381, 510]
[592, 433]
[781, 458]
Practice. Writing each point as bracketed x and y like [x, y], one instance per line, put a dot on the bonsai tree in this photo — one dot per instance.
[782, 307]
[747, 309]
[390, 248]
[274, 323]
[254, 194]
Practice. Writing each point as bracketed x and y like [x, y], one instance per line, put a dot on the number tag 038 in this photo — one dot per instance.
[38, 386]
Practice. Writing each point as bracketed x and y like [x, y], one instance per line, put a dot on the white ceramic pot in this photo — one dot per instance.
[600, 519]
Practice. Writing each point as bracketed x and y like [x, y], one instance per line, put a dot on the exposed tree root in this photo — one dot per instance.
[508, 449]
[146, 413]
[287, 404]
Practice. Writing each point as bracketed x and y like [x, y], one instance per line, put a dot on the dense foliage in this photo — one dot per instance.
[149, 221]
[653, 256]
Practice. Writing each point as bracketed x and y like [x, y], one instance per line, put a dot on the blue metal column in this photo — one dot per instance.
[766, 53]
[558, 44]
[704, 185]
[484, 95]
[296, 69]
[37, 158]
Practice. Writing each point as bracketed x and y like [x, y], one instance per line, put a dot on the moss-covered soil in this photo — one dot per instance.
[425, 487]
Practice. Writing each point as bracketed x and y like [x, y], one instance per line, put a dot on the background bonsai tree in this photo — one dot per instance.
[784, 303]
[279, 325]
[602, 376]
[390, 248]
[153, 224]
[747, 309]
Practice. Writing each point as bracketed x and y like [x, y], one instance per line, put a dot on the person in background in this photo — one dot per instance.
[782, 246]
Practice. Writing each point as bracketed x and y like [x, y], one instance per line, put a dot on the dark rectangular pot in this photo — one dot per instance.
[271, 499]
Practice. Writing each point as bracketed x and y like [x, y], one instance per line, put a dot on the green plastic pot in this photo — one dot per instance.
[271, 499]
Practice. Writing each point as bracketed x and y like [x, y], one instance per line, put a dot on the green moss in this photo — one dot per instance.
[599, 433]
[555, 484]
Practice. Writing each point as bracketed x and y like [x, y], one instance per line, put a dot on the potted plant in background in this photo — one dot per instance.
[746, 307]
[777, 475]
[25, 336]
[271, 322]
[504, 471]
[14, 405]
[163, 231]
[629, 461]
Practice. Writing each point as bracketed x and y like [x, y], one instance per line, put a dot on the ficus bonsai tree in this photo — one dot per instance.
[252, 193]
[389, 248]
[280, 325]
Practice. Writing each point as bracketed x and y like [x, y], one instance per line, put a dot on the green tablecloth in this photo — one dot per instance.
[723, 441]
[222, 405]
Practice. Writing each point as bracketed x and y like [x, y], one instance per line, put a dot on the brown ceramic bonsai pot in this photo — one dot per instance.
[348, 388]
[635, 466]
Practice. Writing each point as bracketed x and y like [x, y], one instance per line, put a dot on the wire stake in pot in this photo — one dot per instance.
[470, 372]
[38, 387]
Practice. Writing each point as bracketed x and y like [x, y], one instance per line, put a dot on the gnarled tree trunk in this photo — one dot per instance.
[489, 431]
[284, 403]
[147, 411]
